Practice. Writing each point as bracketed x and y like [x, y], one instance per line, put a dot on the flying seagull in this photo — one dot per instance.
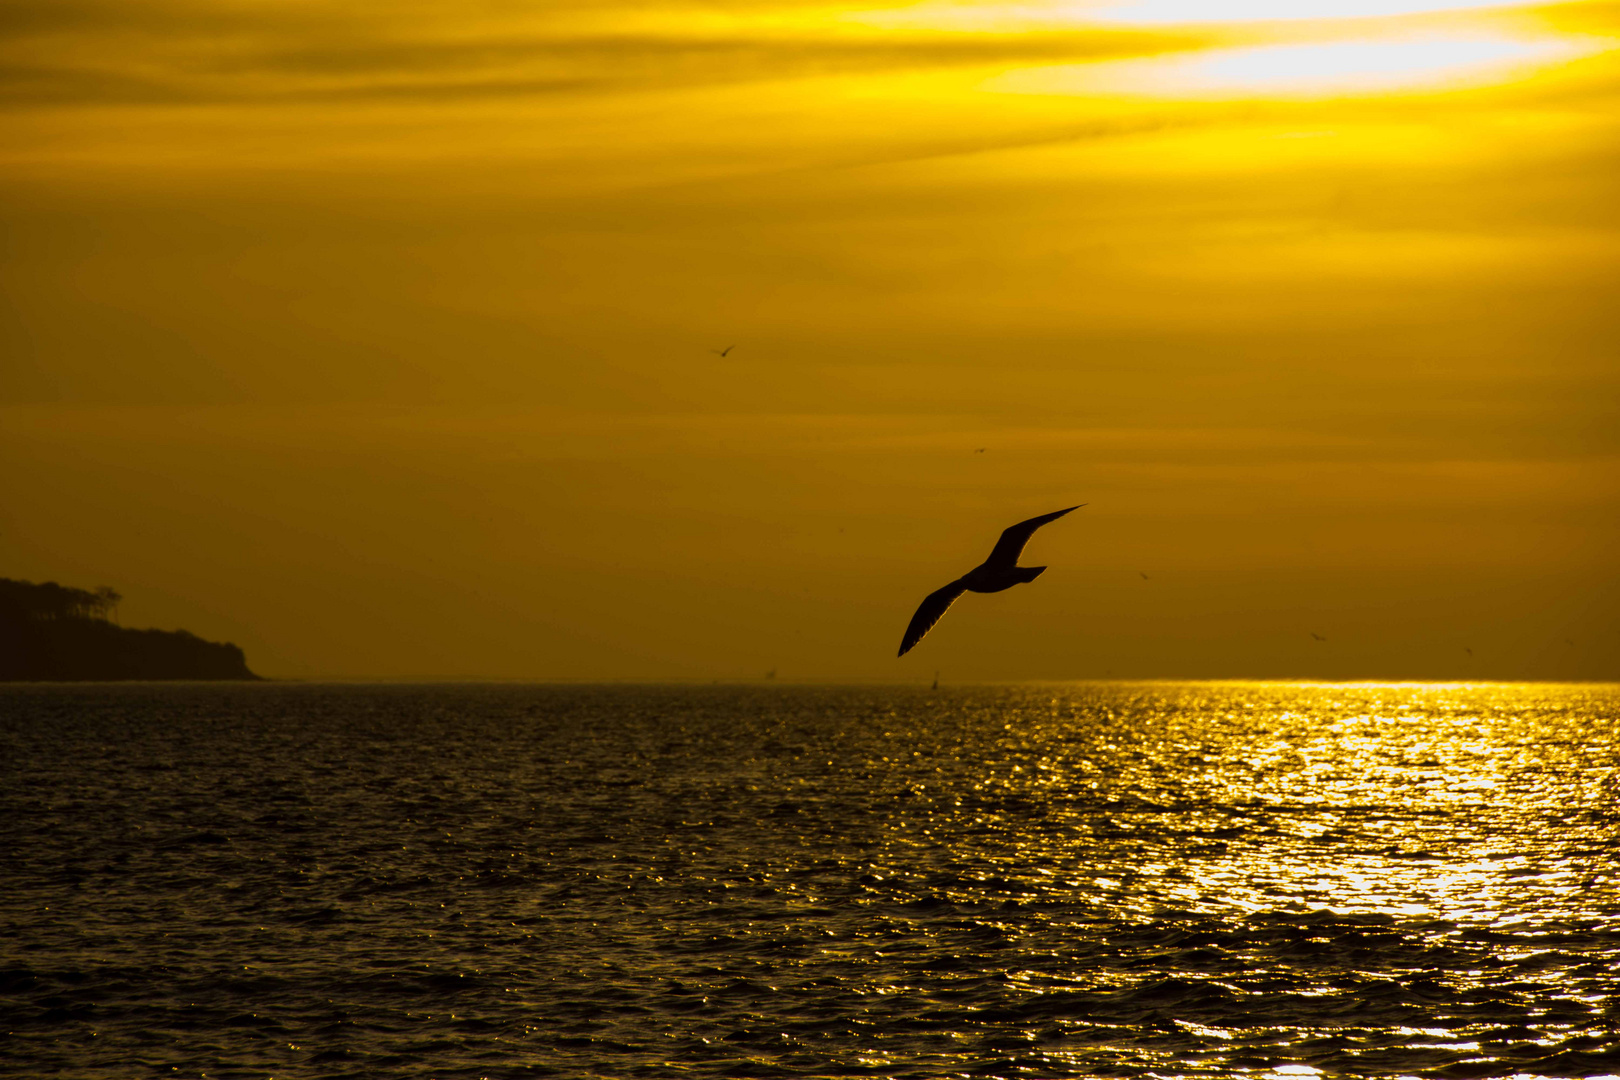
[722, 352]
[1000, 571]
[1317, 636]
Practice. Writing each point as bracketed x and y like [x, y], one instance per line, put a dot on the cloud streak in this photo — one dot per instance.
[89, 54]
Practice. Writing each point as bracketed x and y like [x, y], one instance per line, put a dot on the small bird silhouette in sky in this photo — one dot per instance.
[1467, 650]
[1144, 576]
[1000, 571]
[722, 352]
[981, 450]
[1317, 636]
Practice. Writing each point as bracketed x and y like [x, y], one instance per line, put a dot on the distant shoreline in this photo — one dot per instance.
[788, 684]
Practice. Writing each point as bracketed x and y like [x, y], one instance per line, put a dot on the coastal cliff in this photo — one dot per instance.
[54, 632]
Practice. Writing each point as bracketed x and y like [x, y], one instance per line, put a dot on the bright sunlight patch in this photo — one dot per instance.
[1312, 68]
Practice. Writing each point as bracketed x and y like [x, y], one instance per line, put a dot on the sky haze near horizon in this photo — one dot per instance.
[380, 338]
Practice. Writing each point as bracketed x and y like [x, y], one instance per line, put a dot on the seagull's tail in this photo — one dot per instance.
[1027, 574]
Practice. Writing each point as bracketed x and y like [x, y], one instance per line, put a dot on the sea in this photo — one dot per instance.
[1250, 879]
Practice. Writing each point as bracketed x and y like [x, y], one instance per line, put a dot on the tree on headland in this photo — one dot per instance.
[24, 599]
[107, 600]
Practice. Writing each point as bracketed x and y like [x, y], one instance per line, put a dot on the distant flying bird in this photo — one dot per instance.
[981, 450]
[1467, 650]
[1144, 576]
[1000, 571]
[1317, 636]
[722, 352]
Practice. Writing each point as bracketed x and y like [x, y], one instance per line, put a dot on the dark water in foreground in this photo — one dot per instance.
[1079, 880]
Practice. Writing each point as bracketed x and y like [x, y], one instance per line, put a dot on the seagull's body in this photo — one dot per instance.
[1317, 636]
[1000, 571]
[722, 352]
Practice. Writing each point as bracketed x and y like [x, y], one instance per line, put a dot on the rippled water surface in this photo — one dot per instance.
[1041, 881]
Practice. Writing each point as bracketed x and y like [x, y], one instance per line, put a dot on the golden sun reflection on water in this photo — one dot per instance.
[1058, 880]
[1477, 805]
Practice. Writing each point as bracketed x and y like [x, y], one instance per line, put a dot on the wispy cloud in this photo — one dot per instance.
[163, 53]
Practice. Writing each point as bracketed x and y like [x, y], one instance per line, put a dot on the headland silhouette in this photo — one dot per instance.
[52, 632]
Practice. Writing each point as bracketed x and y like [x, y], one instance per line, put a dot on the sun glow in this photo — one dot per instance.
[1310, 69]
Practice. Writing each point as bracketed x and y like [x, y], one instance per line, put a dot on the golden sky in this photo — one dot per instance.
[378, 337]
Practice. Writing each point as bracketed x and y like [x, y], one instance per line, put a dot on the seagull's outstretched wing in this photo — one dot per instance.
[1011, 544]
[933, 606]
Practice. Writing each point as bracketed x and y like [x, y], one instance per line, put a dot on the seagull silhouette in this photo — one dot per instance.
[722, 352]
[1000, 571]
[1317, 636]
